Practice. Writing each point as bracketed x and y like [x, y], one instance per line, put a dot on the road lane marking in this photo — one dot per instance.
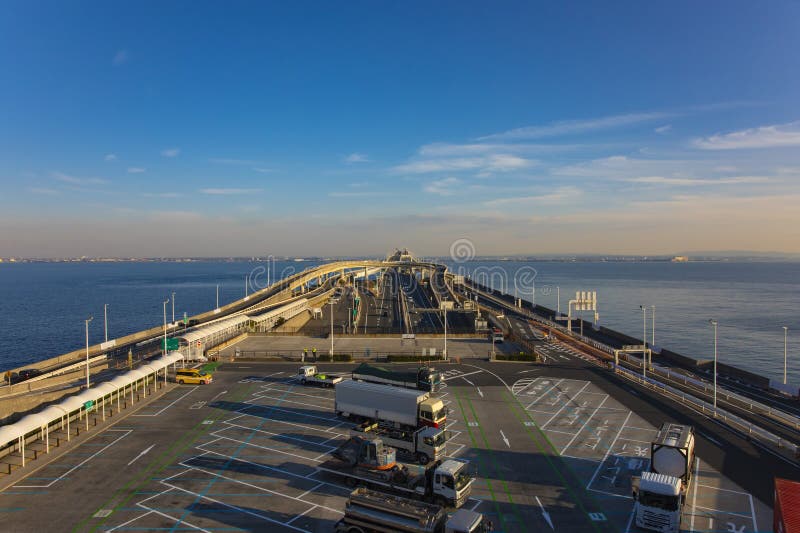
[171, 404]
[545, 514]
[505, 439]
[584, 424]
[142, 453]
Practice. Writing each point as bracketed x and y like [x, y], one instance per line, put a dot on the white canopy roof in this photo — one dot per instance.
[214, 327]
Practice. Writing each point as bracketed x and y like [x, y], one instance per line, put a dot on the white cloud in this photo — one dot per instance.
[161, 194]
[491, 163]
[661, 180]
[66, 178]
[120, 58]
[663, 129]
[43, 190]
[356, 158]
[557, 196]
[472, 149]
[110, 157]
[443, 187]
[776, 136]
[355, 194]
[230, 191]
[136, 170]
[262, 170]
[170, 152]
[568, 127]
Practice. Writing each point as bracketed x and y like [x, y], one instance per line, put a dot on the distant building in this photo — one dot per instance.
[680, 259]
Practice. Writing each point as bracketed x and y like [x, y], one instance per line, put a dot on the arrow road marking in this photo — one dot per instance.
[479, 391]
[545, 514]
[141, 454]
[218, 395]
[505, 439]
[468, 381]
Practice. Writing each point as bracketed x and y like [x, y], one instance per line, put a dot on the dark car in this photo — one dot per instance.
[29, 373]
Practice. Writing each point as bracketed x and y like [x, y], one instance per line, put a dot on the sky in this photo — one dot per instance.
[350, 128]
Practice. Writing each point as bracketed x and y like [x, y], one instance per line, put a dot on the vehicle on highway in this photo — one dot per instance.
[28, 374]
[496, 335]
[390, 406]
[193, 376]
[368, 511]
[309, 376]
[659, 494]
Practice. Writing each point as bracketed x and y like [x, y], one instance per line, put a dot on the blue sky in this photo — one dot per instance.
[195, 128]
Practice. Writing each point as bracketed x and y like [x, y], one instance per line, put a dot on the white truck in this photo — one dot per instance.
[424, 444]
[309, 376]
[368, 511]
[367, 462]
[390, 406]
[659, 493]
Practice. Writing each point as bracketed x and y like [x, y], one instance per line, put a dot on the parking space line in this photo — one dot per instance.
[134, 519]
[566, 403]
[171, 404]
[284, 400]
[270, 449]
[241, 510]
[178, 521]
[584, 424]
[310, 490]
[328, 430]
[95, 454]
[732, 513]
[301, 514]
[273, 408]
[608, 451]
[753, 512]
[725, 490]
[293, 393]
[545, 393]
[606, 493]
[283, 436]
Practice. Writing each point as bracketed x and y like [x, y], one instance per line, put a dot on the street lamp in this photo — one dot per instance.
[173, 307]
[644, 340]
[558, 301]
[87, 349]
[445, 334]
[330, 302]
[785, 334]
[217, 297]
[653, 336]
[715, 324]
[165, 325]
[105, 320]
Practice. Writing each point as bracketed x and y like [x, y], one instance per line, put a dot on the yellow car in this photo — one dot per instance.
[193, 376]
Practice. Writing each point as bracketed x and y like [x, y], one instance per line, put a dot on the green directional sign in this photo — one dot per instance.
[172, 344]
[88, 405]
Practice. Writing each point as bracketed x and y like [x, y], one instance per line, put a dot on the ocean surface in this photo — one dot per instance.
[43, 305]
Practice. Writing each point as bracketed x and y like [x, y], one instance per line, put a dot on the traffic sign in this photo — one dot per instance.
[172, 344]
[88, 405]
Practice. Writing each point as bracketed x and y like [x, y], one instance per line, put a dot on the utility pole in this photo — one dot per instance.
[785, 334]
[715, 323]
[105, 320]
[165, 325]
[217, 307]
[173, 307]
[87, 349]
[644, 340]
[653, 318]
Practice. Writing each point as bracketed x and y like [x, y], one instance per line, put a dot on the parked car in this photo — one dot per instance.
[29, 373]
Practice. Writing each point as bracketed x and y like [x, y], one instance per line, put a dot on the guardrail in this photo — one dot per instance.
[736, 422]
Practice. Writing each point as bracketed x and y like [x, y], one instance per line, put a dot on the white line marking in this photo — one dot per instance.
[694, 496]
[753, 512]
[301, 514]
[283, 436]
[479, 391]
[608, 451]
[65, 474]
[132, 520]
[545, 514]
[171, 404]
[468, 381]
[504, 438]
[142, 453]
[566, 403]
[725, 490]
[584, 425]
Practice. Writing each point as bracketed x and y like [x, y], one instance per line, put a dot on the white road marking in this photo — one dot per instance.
[479, 391]
[218, 395]
[65, 474]
[171, 404]
[545, 514]
[504, 438]
[608, 451]
[566, 404]
[468, 381]
[584, 425]
[143, 452]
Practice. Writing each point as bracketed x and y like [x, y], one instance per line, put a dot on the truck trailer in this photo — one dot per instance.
[424, 378]
[368, 511]
[659, 493]
[391, 406]
[423, 444]
[368, 462]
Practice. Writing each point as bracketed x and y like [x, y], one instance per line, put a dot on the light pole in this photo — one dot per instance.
[245, 286]
[87, 349]
[173, 307]
[217, 297]
[105, 320]
[715, 324]
[644, 340]
[653, 318]
[445, 334]
[558, 301]
[785, 335]
[165, 325]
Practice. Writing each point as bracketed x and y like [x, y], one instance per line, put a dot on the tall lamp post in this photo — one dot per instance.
[165, 325]
[653, 318]
[105, 320]
[173, 307]
[715, 324]
[331, 304]
[217, 297]
[785, 334]
[644, 340]
[87, 349]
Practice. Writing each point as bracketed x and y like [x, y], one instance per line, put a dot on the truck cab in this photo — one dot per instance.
[307, 371]
[451, 483]
[658, 502]
[466, 521]
[432, 413]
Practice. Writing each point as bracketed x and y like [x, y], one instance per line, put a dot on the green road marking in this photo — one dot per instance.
[497, 470]
[516, 407]
[482, 460]
[157, 465]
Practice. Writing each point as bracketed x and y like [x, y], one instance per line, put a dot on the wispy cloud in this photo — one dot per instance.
[262, 170]
[661, 180]
[355, 194]
[230, 191]
[43, 190]
[356, 158]
[557, 196]
[170, 152]
[229, 161]
[443, 187]
[569, 127]
[120, 58]
[663, 129]
[491, 163]
[473, 149]
[775, 136]
[136, 170]
[110, 157]
[66, 178]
